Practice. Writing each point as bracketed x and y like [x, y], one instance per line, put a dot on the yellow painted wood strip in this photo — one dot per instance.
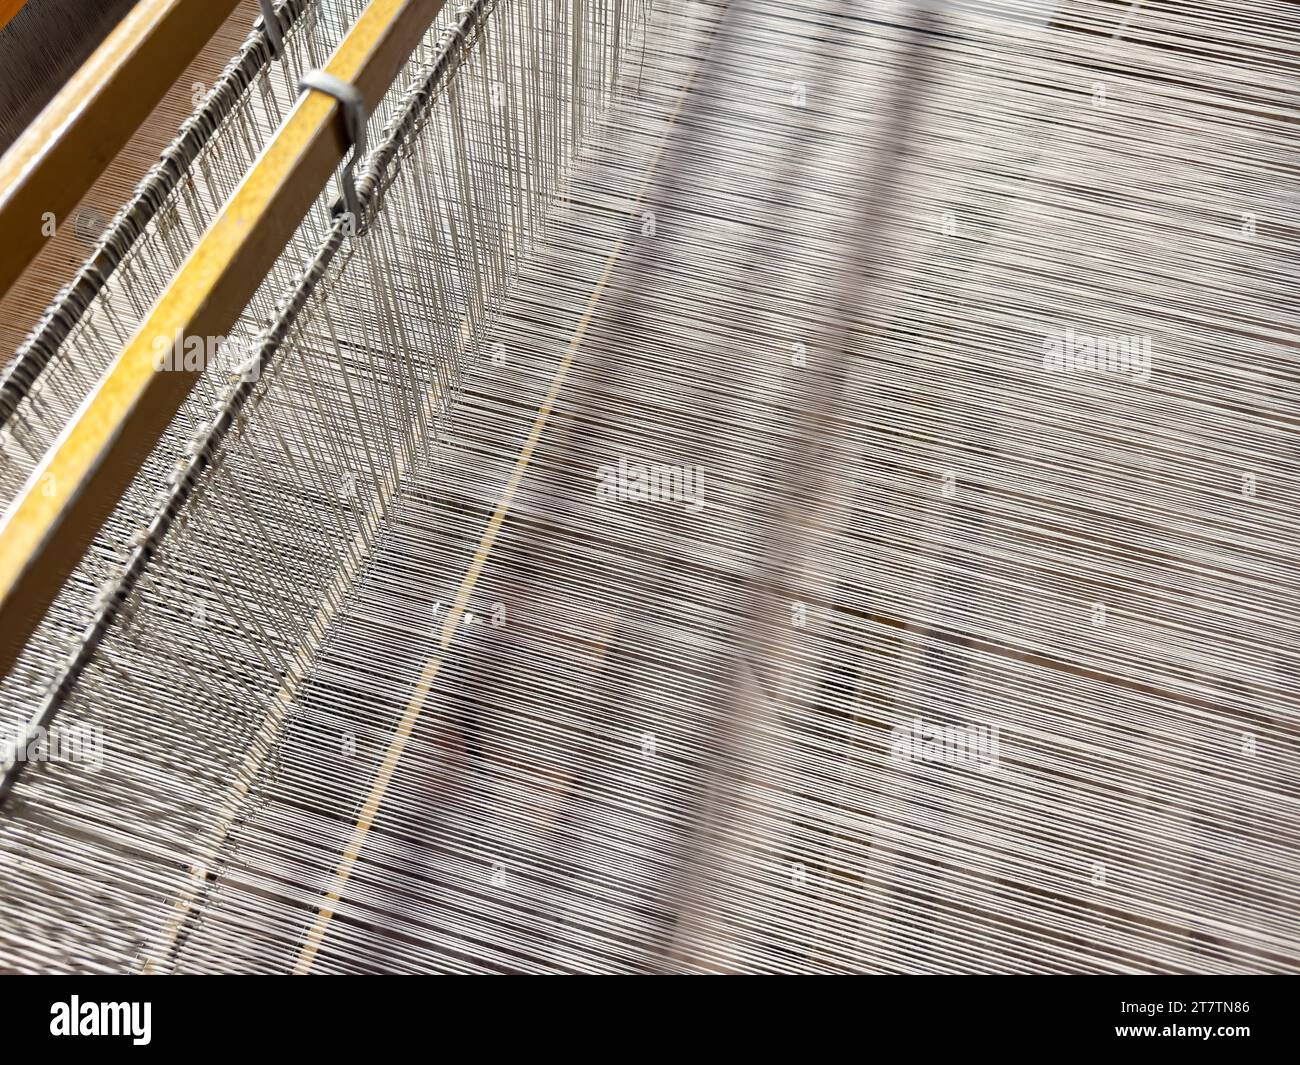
[8, 9]
[51, 166]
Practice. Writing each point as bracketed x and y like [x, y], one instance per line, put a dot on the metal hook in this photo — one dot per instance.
[271, 23]
[354, 121]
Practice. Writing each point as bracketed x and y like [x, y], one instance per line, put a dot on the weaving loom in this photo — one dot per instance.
[760, 486]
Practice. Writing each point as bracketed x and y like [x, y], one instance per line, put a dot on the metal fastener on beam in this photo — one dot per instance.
[354, 119]
[271, 23]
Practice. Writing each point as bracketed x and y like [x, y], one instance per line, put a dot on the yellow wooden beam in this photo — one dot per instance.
[46, 531]
[48, 169]
[8, 9]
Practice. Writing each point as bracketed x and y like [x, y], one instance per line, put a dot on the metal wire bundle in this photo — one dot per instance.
[79, 334]
[78, 337]
[915, 635]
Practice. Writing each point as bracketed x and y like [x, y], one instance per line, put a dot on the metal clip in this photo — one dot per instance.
[271, 23]
[354, 121]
